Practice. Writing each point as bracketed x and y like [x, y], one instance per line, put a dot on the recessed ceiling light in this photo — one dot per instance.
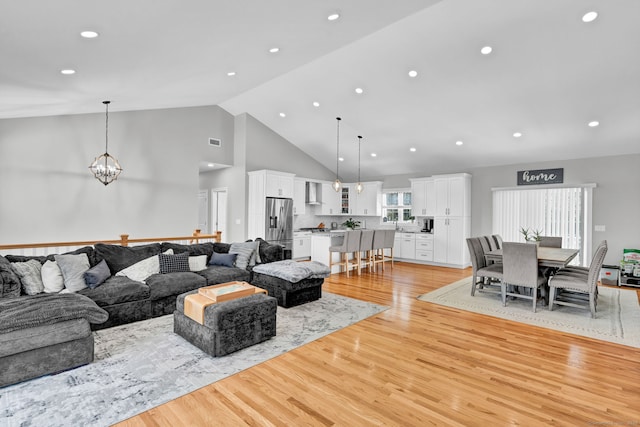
[459, 142]
[68, 71]
[517, 135]
[316, 104]
[231, 73]
[413, 73]
[341, 159]
[333, 16]
[274, 50]
[283, 115]
[486, 50]
[412, 149]
[590, 16]
[89, 34]
[359, 90]
[594, 123]
[373, 154]
[210, 165]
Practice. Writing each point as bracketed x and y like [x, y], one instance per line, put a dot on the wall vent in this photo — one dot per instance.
[214, 142]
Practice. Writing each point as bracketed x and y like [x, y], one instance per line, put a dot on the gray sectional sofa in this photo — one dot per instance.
[124, 300]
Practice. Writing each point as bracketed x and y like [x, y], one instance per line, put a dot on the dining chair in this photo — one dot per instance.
[350, 244]
[567, 285]
[378, 249]
[498, 240]
[550, 242]
[578, 269]
[481, 269]
[366, 248]
[389, 238]
[520, 269]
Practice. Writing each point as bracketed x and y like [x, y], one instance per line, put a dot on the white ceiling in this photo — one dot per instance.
[548, 76]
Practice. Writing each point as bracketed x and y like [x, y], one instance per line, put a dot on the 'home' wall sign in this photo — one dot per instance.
[541, 176]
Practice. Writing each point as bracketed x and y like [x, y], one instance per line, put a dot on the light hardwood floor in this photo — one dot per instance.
[420, 364]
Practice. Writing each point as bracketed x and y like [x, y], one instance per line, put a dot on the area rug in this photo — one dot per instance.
[617, 317]
[144, 364]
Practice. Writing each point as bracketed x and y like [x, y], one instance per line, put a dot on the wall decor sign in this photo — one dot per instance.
[541, 176]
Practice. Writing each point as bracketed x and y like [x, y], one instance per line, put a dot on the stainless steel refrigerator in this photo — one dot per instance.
[279, 223]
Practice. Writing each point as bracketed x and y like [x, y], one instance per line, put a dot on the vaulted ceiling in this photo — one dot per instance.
[548, 76]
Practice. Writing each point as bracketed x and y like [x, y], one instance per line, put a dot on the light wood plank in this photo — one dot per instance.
[420, 364]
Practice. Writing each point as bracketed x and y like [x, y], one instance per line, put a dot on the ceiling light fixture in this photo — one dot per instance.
[106, 167]
[413, 73]
[68, 71]
[274, 50]
[316, 104]
[341, 159]
[589, 16]
[333, 16]
[359, 186]
[486, 50]
[459, 142]
[211, 165]
[374, 155]
[412, 149]
[594, 123]
[231, 73]
[283, 115]
[89, 34]
[359, 90]
[517, 135]
[336, 184]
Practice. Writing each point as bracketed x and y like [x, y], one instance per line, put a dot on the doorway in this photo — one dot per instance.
[219, 211]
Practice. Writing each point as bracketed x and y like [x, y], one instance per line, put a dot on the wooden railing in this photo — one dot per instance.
[124, 240]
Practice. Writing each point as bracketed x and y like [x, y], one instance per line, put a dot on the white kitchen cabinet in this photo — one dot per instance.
[423, 197]
[320, 244]
[330, 200]
[452, 195]
[299, 196]
[347, 200]
[407, 246]
[368, 202]
[279, 184]
[449, 240]
[424, 247]
[301, 245]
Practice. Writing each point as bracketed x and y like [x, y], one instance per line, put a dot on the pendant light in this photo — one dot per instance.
[359, 186]
[337, 184]
[106, 167]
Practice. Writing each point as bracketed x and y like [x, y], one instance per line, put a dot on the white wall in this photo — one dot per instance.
[48, 193]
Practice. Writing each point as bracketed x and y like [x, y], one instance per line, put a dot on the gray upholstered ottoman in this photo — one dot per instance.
[228, 326]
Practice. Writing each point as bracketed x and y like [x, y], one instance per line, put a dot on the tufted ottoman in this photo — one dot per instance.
[228, 326]
[292, 283]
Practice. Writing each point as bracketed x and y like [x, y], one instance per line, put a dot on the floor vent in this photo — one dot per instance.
[214, 142]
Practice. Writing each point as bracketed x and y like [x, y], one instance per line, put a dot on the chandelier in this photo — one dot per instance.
[106, 167]
[336, 184]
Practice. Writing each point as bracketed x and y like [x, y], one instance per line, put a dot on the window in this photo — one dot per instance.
[396, 206]
[564, 212]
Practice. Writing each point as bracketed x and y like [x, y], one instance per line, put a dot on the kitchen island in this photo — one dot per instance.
[320, 244]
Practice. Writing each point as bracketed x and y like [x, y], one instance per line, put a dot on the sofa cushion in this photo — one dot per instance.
[120, 257]
[221, 248]
[30, 274]
[164, 285]
[9, 282]
[170, 263]
[246, 253]
[43, 336]
[116, 290]
[197, 263]
[73, 268]
[218, 274]
[269, 252]
[52, 277]
[193, 250]
[91, 255]
[96, 276]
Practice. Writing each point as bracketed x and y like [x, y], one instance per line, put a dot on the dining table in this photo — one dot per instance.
[547, 257]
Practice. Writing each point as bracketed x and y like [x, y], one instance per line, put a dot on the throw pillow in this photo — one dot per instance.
[197, 263]
[97, 275]
[246, 253]
[120, 257]
[226, 260]
[73, 268]
[30, 276]
[174, 263]
[141, 270]
[52, 277]
[9, 281]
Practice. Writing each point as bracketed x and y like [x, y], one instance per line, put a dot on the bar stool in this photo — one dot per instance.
[350, 245]
[378, 249]
[389, 237]
[366, 246]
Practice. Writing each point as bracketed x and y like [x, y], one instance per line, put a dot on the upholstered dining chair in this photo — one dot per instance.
[481, 269]
[389, 238]
[498, 240]
[550, 242]
[366, 248]
[520, 269]
[566, 283]
[378, 249]
[350, 245]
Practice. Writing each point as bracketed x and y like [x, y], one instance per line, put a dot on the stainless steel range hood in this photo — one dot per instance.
[311, 192]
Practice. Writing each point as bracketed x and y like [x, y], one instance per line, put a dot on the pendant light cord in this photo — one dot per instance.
[106, 127]
[338, 148]
[359, 144]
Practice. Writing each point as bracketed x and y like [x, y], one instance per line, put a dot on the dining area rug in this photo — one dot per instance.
[617, 317]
